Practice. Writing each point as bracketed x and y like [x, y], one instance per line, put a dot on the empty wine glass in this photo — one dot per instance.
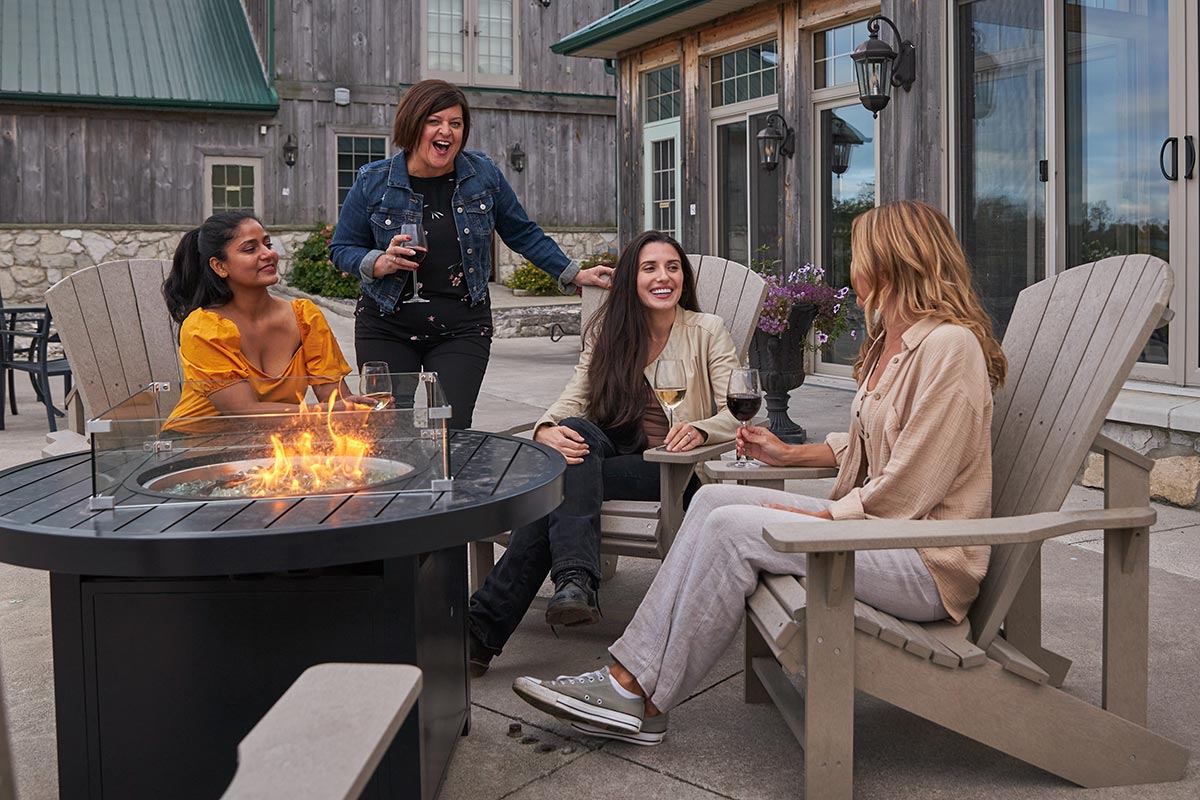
[743, 399]
[670, 385]
[420, 247]
[375, 382]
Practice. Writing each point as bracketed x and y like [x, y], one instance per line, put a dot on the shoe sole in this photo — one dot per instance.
[571, 616]
[640, 738]
[568, 708]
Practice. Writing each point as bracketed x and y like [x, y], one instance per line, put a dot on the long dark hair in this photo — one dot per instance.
[192, 284]
[621, 346]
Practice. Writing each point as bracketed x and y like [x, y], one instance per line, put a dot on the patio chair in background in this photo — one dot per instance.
[116, 332]
[25, 335]
[645, 529]
[1070, 345]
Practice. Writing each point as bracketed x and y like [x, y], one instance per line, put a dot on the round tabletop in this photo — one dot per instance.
[500, 483]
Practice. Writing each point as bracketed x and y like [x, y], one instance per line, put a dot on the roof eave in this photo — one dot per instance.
[32, 98]
[626, 32]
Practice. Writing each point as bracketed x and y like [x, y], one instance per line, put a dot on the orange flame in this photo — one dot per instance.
[301, 467]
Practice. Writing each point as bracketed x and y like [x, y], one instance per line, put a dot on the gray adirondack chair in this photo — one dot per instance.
[645, 529]
[116, 332]
[320, 741]
[1071, 343]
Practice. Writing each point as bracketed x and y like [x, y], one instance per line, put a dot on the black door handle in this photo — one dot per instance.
[1173, 175]
[1189, 156]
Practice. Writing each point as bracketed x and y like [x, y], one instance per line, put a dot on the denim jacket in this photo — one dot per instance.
[382, 199]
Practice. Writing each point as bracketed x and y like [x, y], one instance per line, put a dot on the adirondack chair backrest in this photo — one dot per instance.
[725, 288]
[1070, 344]
[115, 330]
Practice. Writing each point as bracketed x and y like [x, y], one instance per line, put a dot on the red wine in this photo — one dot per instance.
[418, 255]
[743, 406]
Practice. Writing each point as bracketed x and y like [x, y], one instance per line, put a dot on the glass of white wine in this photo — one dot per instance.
[670, 385]
[375, 382]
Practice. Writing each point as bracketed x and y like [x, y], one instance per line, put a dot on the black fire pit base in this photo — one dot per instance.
[157, 680]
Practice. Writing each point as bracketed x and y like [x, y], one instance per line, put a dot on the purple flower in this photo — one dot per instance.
[845, 290]
[853, 334]
[837, 307]
[822, 338]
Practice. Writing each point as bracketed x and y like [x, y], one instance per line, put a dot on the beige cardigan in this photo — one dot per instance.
[920, 447]
[706, 349]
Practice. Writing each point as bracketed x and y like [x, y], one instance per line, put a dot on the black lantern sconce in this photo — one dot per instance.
[774, 142]
[516, 158]
[878, 67]
[843, 138]
[985, 68]
[545, 3]
[290, 151]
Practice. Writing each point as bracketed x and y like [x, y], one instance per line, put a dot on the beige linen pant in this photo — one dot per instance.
[695, 604]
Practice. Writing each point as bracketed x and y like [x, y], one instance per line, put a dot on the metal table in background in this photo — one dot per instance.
[176, 627]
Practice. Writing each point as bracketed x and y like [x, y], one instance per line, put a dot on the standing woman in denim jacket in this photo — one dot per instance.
[461, 198]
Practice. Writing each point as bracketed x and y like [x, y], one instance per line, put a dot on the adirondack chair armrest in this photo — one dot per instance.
[888, 534]
[324, 737]
[1108, 447]
[725, 471]
[702, 453]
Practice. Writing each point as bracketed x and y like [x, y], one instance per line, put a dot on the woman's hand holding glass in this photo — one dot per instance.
[397, 258]
[762, 445]
[565, 440]
[683, 437]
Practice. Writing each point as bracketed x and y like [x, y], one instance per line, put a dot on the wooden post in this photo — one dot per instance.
[1126, 595]
[756, 647]
[829, 695]
[482, 558]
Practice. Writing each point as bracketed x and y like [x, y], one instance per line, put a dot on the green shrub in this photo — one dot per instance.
[534, 281]
[312, 270]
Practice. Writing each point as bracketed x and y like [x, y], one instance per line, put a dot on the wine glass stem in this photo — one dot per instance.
[742, 453]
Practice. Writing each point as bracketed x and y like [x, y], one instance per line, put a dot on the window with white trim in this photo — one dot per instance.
[473, 42]
[355, 151]
[745, 74]
[660, 149]
[232, 183]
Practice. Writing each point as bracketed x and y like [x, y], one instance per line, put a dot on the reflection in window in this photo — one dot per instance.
[732, 220]
[1001, 139]
[831, 54]
[661, 90]
[1117, 116]
[745, 74]
[847, 189]
[354, 152]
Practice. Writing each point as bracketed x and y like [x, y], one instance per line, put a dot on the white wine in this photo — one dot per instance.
[671, 398]
[382, 399]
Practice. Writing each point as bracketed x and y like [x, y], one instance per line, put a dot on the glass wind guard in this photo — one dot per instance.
[225, 441]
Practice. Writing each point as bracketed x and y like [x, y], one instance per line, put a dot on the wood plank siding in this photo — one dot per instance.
[80, 165]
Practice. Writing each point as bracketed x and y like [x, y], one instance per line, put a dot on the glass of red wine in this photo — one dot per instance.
[743, 399]
[415, 231]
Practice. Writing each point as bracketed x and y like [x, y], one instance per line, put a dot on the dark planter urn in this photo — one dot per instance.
[779, 359]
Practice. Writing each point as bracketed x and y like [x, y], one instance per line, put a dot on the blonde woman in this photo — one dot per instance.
[918, 447]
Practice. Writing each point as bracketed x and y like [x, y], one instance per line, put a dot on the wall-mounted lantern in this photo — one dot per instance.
[775, 141]
[516, 158]
[878, 67]
[290, 151]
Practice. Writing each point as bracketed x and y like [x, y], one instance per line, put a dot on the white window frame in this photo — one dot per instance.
[388, 151]
[241, 161]
[658, 131]
[470, 74]
[822, 100]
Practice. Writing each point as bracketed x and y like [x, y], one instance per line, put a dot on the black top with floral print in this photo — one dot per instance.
[449, 312]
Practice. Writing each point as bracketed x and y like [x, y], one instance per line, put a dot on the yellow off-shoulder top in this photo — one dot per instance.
[210, 347]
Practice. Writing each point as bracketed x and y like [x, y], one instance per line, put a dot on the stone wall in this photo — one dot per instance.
[1175, 478]
[34, 259]
[575, 243]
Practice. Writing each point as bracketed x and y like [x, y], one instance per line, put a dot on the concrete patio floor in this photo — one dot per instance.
[717, 746]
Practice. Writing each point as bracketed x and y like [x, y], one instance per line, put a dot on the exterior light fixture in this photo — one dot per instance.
[516, 158]
[290, 151]
[878, 67]
[775, 141]
[986, 68]
[545, 3]
[843, 138]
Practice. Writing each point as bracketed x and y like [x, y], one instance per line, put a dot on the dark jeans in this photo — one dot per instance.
[460, 363]
[568, 538]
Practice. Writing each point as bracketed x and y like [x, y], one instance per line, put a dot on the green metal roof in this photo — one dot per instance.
[641, 22]
[173, 53]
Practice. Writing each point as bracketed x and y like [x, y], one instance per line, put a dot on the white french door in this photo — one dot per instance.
[661, 176]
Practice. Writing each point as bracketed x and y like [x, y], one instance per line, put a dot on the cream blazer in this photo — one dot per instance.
[706, 349]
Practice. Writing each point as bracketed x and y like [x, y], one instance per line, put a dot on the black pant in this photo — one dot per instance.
[569, 538]
[460, 363]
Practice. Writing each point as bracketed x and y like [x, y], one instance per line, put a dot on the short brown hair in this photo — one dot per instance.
[419, 102]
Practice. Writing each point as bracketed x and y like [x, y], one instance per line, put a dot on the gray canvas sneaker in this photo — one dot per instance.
[652, 732]
[588, 698]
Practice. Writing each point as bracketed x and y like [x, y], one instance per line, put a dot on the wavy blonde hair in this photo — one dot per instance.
[905, 255]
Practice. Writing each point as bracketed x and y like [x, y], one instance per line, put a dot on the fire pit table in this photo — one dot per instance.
[177, 622]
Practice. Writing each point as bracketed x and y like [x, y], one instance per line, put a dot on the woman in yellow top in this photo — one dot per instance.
[244, 351]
